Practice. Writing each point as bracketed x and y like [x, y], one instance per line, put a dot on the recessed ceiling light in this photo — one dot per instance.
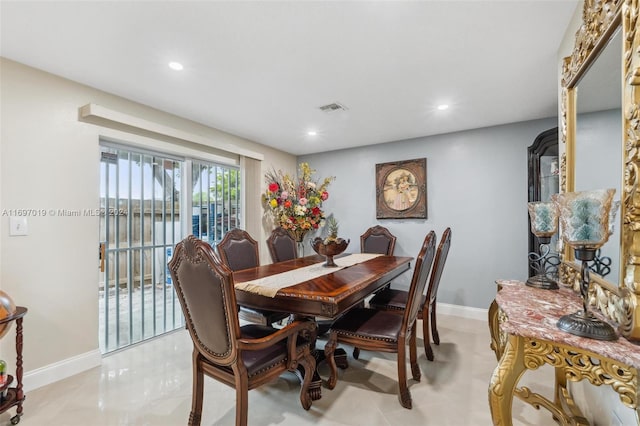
[442, 107]
[312, 133]
[177, 66]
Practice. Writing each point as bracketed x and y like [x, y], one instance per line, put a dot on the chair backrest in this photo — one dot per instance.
[419, 280]
[282, 246]
[377, 239]
[238, 250]
[438, 266]
[206, 293]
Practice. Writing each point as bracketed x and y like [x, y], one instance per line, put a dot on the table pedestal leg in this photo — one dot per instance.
[315, 388]
[340, 355]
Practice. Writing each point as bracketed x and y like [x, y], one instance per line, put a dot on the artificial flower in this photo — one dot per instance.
[273, 187]
[296, 204]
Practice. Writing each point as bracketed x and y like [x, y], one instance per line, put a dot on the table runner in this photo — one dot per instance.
[269, 286]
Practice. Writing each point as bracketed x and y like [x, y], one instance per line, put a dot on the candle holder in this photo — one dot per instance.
[601, 265]
[585, 224]
[544, 223]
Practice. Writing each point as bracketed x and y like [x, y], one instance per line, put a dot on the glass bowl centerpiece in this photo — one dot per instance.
[330, 246]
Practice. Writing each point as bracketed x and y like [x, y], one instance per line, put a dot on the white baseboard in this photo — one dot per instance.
[462, 311]
[43, 376]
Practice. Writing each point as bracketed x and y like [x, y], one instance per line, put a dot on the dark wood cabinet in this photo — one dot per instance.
[544, 178]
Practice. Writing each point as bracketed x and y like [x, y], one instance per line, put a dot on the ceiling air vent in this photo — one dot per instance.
[333, 107]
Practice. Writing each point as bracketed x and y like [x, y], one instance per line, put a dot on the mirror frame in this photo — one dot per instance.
[620, 301]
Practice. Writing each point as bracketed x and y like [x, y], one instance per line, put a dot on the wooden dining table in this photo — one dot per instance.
[326, 296]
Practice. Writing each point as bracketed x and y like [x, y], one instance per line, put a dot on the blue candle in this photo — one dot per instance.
[544, 218]
[585, 217]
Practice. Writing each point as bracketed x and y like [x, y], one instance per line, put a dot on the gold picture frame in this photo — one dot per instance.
[401, 189]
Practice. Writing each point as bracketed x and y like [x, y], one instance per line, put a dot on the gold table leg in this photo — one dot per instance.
[569, 412]
[504, 380]
[494, 330]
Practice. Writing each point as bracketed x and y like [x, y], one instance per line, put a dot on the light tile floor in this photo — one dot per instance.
[150, 384]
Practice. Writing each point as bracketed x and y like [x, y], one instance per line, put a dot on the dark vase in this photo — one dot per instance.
[329, 249]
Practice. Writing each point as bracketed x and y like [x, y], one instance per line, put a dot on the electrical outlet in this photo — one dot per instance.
[18, 226]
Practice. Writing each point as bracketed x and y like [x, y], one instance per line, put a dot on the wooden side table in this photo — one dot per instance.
[15, 395]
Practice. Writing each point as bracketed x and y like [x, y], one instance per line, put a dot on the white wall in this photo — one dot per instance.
[476, 184]
[50, 160]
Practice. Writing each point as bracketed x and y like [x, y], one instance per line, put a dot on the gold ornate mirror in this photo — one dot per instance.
[608, 40]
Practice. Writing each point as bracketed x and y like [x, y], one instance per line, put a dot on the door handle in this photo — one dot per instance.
[101, 255]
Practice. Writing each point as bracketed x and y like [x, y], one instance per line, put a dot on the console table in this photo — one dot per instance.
[524, 336]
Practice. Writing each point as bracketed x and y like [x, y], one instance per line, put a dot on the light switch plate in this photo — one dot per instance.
[18, 226]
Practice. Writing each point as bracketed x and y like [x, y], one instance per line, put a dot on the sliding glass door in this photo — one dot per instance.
[146, 199]
[215, 200]
[140, 224]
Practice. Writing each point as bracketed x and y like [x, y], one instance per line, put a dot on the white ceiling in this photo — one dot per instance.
[260, 70]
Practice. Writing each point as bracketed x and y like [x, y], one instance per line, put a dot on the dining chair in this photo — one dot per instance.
[282, 246]
[396, 300]
[242, 357]
[377, 239]
[385, 331]
[238, 250]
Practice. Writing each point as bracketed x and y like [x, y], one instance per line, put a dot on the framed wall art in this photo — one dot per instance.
[401, 189]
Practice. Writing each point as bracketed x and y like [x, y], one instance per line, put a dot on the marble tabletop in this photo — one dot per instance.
[534, 312]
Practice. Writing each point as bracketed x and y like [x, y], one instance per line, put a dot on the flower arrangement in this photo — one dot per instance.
[296, 204]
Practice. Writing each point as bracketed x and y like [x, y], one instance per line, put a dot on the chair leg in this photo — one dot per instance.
[197, 392]
[242, 399]
[329, 349]
[308, 362]
[425, 336]
[403, 390]
[434, 328]
[413, 355]
[341, 359]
